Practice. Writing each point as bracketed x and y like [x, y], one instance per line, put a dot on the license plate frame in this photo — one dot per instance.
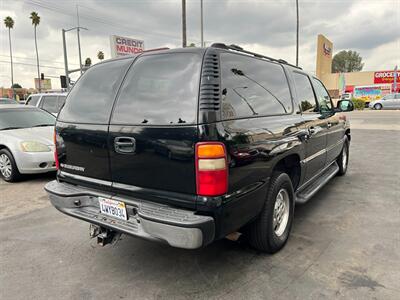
[113, 208]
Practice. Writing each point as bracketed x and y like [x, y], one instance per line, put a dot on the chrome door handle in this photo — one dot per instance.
[125, 145]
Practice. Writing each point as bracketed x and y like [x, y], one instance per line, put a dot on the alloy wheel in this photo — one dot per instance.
[5, 166]
[281, 212]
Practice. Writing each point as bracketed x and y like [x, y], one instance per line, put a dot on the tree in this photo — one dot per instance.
[192, 45]
[9, 22]
[16, 86]
[347, 61]
[100, 55]
[35, 22]
[88, 62]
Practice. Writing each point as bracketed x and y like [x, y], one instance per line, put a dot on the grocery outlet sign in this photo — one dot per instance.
[386, 77]
[121, 46]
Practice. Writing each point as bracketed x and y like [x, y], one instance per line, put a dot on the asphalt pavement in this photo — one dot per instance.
[344, 244]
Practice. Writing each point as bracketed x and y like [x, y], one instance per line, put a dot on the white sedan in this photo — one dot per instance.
[26, 141]
[390, 101]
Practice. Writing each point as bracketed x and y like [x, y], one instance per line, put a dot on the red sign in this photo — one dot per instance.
[386, 77]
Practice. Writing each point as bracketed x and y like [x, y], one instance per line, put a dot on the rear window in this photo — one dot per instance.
[159, 90]
[92, 97]
[252, 87]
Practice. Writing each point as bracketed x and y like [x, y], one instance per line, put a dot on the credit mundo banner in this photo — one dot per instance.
[121, 46]
[386, 77]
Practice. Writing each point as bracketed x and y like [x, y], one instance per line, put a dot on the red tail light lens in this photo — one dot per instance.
[211, 169]
[55, 151]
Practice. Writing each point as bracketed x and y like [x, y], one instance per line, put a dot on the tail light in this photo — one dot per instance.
[55, 151]
[211, 169]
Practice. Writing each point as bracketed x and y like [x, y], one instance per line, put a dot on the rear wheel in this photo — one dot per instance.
[8, 167]
[270, 231]
[378, 106]
[343, 158]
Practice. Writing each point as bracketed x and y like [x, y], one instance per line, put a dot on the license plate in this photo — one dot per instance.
[113, 208]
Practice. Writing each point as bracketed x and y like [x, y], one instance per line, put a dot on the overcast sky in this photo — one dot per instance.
[370, 27]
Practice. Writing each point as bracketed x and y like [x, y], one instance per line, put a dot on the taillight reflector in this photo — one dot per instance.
[211, 169]
[55, 151]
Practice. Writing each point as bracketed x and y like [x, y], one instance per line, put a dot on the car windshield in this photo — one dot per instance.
[24, 118]
[7, 101]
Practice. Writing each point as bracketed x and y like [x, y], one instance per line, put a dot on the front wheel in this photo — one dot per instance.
[343, 158]
[378, 106]
[8, 167]
[270, 231]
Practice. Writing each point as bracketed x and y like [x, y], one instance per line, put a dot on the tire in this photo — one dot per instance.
[8, 168]
[343, 158]
[261, 233]
[378, 106]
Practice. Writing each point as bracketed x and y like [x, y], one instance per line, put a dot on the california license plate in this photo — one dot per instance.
[113, 208]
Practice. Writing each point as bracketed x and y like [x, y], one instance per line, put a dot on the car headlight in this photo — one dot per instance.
[32, 146]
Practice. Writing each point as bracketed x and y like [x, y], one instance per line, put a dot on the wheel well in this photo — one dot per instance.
[348, 134]
[291, 166]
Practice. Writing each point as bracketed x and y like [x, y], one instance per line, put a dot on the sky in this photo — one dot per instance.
[370, 27]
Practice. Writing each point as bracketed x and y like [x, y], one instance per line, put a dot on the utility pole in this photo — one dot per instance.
[201, 23]
[297, 34]
[79, 40]
[183, 23]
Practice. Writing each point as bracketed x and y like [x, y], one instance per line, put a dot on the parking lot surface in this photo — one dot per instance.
[345, 242]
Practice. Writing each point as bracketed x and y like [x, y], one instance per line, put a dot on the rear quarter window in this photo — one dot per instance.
[252, 87]
[160, 89]
[92, 97]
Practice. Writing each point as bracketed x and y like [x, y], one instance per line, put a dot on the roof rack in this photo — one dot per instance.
[240, 49]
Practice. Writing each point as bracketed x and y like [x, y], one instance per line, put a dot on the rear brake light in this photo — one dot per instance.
[211, 169]
[55, 151]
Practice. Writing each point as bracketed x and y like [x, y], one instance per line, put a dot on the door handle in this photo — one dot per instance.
[312, 130]
[125, 145]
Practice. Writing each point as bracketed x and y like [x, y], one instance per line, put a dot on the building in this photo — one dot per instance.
[367, 85]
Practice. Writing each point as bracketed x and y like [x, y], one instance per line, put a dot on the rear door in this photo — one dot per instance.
[153, 126]
[315, 123]
[82, 125]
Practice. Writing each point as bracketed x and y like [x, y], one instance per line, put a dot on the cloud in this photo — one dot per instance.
[369, 27]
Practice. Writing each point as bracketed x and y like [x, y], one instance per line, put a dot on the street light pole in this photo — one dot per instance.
[79, 40]
[183, 23]
[65, 59]
[297, 34]
[201, 23]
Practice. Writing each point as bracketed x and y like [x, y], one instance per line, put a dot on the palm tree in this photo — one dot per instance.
[9, 22]
[35, 22]
[100, 55]
[88, 62]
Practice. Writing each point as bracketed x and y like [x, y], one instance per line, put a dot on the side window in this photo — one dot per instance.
[253, 87]
[92, 97]
[323, 98]
[398, 96]
[61, 101]
[305, 93]
[33, 100]
[49, 103]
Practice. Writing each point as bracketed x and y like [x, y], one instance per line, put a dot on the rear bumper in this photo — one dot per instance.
[177, 227]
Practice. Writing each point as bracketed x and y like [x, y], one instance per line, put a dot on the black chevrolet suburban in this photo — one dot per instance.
[187, 146]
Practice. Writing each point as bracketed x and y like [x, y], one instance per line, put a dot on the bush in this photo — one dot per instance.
[358, 103]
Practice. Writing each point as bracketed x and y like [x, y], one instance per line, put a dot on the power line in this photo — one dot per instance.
[34, 65]
[28, 58]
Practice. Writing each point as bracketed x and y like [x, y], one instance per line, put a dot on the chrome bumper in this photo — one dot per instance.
[179, 228]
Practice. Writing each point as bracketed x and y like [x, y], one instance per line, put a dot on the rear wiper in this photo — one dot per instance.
[10, 128]
[43, 125]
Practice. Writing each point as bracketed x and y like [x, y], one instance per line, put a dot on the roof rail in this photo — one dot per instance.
[240, 49]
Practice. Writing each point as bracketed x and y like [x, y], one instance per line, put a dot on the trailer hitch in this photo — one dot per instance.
[104, 235]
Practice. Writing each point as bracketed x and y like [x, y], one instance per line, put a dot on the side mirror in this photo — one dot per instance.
[344, 105]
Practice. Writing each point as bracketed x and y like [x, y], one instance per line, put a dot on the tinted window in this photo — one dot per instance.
[305, 94]
[92, 97]
[49, 103]
[160, 89]
[324, 101]
[33, 100]
[253, 87]
[24, 118]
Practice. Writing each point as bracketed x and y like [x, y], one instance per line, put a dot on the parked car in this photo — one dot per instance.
[50, 102]
[7, 101]
[389, 101]
[346, 96]
[26, 141]
[247, 151]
